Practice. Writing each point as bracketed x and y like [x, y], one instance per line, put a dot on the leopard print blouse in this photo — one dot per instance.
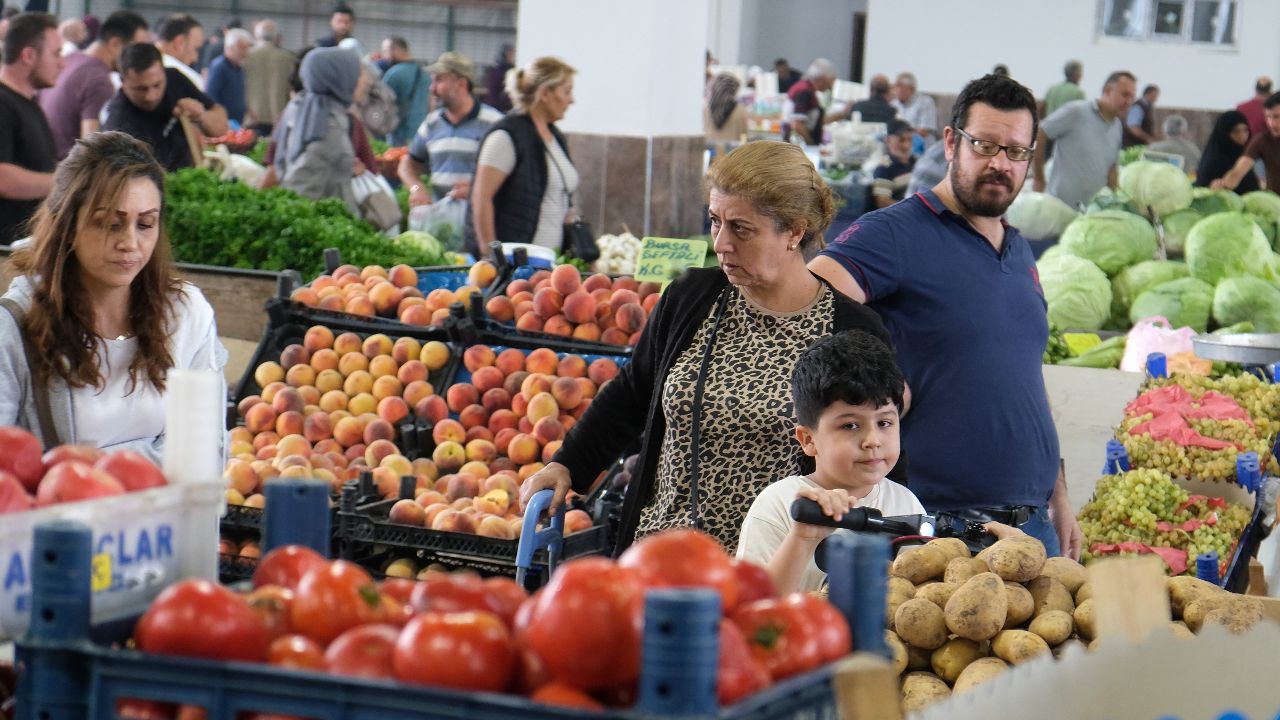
[748, 430]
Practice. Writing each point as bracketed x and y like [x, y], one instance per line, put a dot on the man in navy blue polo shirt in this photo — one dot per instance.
[957, 289]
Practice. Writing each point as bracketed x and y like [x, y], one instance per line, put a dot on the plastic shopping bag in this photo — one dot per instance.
[445, 220]
[1154, 335]
[376, 200]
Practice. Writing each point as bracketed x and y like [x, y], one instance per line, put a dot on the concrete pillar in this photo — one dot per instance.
[635, 130]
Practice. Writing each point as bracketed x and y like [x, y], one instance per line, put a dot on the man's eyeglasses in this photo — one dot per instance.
[986, 148]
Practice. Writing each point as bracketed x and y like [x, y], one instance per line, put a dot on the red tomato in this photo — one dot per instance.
[20, 454]
[591, 610]
[273, 604]
[197, 618]
[740, 673]
[399, 588]
[684, 558]
[285, 566]
[13, 494]
[829, 625]
[134, 471]
[131, 709]
[296, 651]
[505, 596]
[452, 592]
[333, 598]
[192, 712]
[393, 612]
[754, 582]
[465, 650]
[364, 651]
[84, 453]
[73, 481]
[564, 696]
[780, 636]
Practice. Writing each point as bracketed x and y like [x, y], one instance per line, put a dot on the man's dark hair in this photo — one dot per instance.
[1262, 86]
[344, 9]
[399, 43]
[1271, 101]
[1150, 88]
[26, 30]
[879, 85]
[10, 11]
[123, 25]
[295, 77]
[233, 23]
[781, 61]
[1000, 92]
[139, 57]
[175, 26]
[1116, 76]
[853, 366]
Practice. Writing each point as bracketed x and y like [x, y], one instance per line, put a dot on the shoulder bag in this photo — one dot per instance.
[44, 412]
[579, 241]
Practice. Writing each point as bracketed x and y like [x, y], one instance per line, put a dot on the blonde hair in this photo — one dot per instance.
[524, 83]
[780, 182]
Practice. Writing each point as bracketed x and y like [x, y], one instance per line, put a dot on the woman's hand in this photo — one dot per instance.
[555, 477]
[357, 168]
[834, 504]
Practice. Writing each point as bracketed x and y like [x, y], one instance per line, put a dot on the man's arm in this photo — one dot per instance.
[213, 122]
[1070, 537]
[88, 127]
[410, 173]
[19, 183]
[800, 125]
[1235, 174]
[833, 272]
[1037, 163]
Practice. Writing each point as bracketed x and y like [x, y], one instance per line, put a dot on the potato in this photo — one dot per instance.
[1086, 623]
[954, 656]
[1194, 612]
[920, 623]
[920, 564]
[1184, 589]
[1180, 630]
[979, 671]
[920, 689]
[1084, 593]
[1021, 605]
[1017, 558]
[959, 570]
[899, 651]
[919, 659]
[892, 603]
[900, 586]
[937, 593]
[1067, 645]
[1054, 626]
[977, 609]
[1238, 614]
[953, 547]
[1070, 573]
[1017, 646]
[1049, 594]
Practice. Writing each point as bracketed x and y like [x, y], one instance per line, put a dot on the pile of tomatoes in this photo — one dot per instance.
[244, 137]
[575, 642]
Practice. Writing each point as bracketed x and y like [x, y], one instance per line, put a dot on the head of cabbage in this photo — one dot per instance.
[1078, 293]
[1264, 205]
[1208, 201]
[1156, 185]
[1110, 239]
[1247, 299]
[1039, 216]
[1184, 302]
[1228, 245]
[1136, 279]
[1176, 227]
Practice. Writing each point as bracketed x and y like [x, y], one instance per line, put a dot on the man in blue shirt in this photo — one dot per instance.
[893, 174]
[225, 83]
[958, 290]
[412, 87]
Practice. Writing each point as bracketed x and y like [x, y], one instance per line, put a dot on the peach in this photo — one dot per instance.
[500, 308]
[432, 407]
[387, 482]
[461, 395]
[535, 384]
[352, 362]
[514, 382]
[525, 425]
[630, 317]
[369, 271]
[355, 454]
[332, 302]
[317, 427]
[473, 416]
[375, 345]
[520, 405]
[464, 294]
[576, 520]
[240, 434]
[521, 298]
[542, 361]
[597, 281]
[407, 512]
[523, 449]
[602, 370]
[623, 297]
[347, 342]
[549, 450]
[435, 355]
[403, 276]
[645, 289]
[393, 409]
[293, 445]
[509, 361]
[360, 305]
[566, 279]
[626, 282]
[496, 399]
[328, 381]
[649, 302]
[387, 386]
[579, 307]
[502, 439]
[427, 498]
[604, 314]
[577, 412]
[327, 445]
[540, 276]
[504, 481]
[478, 356]
[412, 371]
[265, 438]
[249, 401]
[502, 418]
[418, 314]
[386, 298]
[486, 378]
[587, 331]
[288, 399]
[423, 467]
[449, 456]
[567, 422]
[266, 453]
[433, 511]
[479, 432]
[542, 405]
[476, 469]
[548, 429]
[305, 295]
[495, 527]
[358, 381]
[518, 286]
[290, 422]
[416, 391]
[267, 373]
[260, 417]
[333, 400]
[547, 302]
[362, 404]
[382, 365]
[572, 366]
[439, 317]
[481, 450]
[375, 451]
[378, 429]
[529, 322]
[482, 274]
[241, 477]
[299, 375]
[450, 520]
[294, 354]
[614, 336]
[527, 471]
[396, 463]
[558, 325]
[440, 299]
[462, 485]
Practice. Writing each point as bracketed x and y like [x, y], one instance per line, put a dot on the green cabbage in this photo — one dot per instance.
[1184, 303]
[1264, 205]
[1208, 201]
[1110, 239]
[1266, 225]
[1109, 199]
[1136, 279]
[419, 239]
[1039, 216]
[1176, 226]
[1247, 299]
[1228, 245]
[1054, 249]
[1156, 185]
[1078, 293]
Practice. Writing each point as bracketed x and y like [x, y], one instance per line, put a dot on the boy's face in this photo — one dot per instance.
[854, 446]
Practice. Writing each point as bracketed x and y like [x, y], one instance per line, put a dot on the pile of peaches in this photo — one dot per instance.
[376, 291]
[560, 302]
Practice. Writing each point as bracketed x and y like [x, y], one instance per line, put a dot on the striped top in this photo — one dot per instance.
[450, 150]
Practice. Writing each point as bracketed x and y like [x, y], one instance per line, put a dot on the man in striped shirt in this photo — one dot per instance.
[448, 141]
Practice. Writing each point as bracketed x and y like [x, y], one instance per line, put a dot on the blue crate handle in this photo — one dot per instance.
[532, 539]
[1157, 365]
[1248, 471]
[857, 586]
[681, 653]
[297, 513]
[54, 684]
[1117, 458]
[1207, 567]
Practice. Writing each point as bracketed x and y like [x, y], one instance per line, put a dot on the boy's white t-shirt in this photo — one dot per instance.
[769, 520]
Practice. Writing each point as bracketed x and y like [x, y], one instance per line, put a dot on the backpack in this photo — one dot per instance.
[381, 111]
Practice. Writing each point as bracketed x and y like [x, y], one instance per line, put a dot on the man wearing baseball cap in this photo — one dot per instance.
[448, 141]
[894, 173]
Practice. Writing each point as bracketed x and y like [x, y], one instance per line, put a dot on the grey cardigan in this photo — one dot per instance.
[323, 170]
[194, 344]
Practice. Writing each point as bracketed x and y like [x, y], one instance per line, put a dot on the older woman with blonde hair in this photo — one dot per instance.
[707, 390]
[524, 184]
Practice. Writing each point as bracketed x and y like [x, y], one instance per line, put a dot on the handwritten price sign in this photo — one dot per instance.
[664, 259]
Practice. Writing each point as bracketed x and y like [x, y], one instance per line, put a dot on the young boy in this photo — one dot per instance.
[847, 391]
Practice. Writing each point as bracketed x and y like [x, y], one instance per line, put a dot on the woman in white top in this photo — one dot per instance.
[524, 183]
[95, 317]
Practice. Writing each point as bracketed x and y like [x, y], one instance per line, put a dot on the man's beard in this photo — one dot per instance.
[974, 202]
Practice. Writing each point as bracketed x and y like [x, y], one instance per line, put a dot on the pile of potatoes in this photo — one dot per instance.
[958, 620]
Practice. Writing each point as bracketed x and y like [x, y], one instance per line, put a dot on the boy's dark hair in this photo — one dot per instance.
[139, 57]
[853, 366]
[26, 30]
[175, 26]
[1000, 92]
[122, 24]
[1272, 101]
[344, 9]
[1262, 86]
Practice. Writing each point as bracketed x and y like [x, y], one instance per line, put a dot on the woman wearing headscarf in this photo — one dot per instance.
[723, 120]
[1226, 144]
[314, 154]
